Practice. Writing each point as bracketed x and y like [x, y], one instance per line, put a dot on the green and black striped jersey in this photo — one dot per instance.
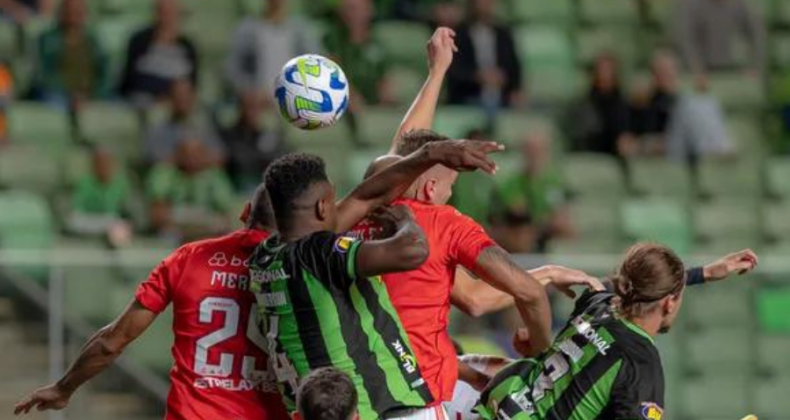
[599, 367]
[316, 312]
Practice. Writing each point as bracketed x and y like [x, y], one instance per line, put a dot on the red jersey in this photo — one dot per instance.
[422, 297]
[220, 369]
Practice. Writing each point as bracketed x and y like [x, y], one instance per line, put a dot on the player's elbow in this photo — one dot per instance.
[472, 306]
[110, 343]
[531, 293]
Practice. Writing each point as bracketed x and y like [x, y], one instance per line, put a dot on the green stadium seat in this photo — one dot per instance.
[595, 218]
[8, 40]
[84, 283]
[113, 125]
[378, 125]
[115, 33]
[772, 351]
[38, 124]
[26, 223]
[335, 154]
[25, 167]
[212, 44]
[724, 178]
[406, 82]
[773, 309]
[771, 397]
[512, 127]
[152, 349]
[727, 306]
[662, 177]
[747, 136]
[598, 245]
[736, 92]
[560, 12]
[606, 12]
[730, 221]
[661, 220]
[780, 50]
[777, 173]
[458, 121]
[137, 8]
[593, 42]
[549, 63]
[776, 221]
[720, 349]
[596, 176]
[403, 42]
[716, 396]
[338, 135]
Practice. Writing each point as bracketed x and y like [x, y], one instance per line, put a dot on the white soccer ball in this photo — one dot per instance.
[312, 92]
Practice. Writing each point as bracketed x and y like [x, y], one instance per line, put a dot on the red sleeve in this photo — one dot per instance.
[467, 239]
[156, 292]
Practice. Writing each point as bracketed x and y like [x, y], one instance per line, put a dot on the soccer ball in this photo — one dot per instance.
[312, 92]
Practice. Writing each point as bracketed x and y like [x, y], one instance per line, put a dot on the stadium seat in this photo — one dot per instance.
[595, 218]
[731, 179]
[606, 12]
[747, 136]
[26, 223]
[112, 125]
[771, 397]
[593, 42]
[716, 396]
[25, 167]
[212, 44]
[548, 63]
[338, 135]
[513, 126]
[335, 153]
[378, 125]
[458, 121]
[137, 260]
[773, 310]
[730, 221]
[152, 349]
[115, 33]
[8, 40]
[38, 124]
[727, 306]
[780, 50]
[559, 12]
[85, 282]
[776, 221]
[661, 177]
[403, 42]
[772, 351]
[736, 92]
[777, 175]
[720, 349]
[598, 245]
[406, 82]
[137, 8]
[596, 176]
[654, 219]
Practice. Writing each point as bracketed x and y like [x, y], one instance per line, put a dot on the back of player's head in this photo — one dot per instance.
[648, 274]
[260, 212]
[326, 394]
[290, 179]
[379, 164]
[412, 140]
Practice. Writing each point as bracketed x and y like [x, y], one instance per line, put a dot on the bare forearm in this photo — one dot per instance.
[422, 110]
[97, 354]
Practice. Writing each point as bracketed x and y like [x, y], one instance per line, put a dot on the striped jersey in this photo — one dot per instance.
[317, 312]
[599, 367]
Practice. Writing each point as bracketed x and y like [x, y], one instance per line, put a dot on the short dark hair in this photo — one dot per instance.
[261, 212]
[290, 176]
[412, 140]
[326, 394]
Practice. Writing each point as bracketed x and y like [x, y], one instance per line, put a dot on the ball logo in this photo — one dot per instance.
[218, 260]
[651, 411]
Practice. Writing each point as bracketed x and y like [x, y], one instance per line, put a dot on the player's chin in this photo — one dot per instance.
[664, 329]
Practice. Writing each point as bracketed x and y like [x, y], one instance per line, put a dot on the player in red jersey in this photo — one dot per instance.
[220, 369]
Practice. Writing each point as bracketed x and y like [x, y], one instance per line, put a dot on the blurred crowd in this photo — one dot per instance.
[194, 164]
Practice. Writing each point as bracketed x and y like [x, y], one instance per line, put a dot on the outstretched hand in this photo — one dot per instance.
[465, 155]
[740, 262]
[564, 278]
[50, 397]
[441, 48]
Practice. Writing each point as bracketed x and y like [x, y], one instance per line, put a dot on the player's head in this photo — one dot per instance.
[379, 164]
[435, 185]
[326, 394]
[258, 213]
[650, 284]
[301, 194]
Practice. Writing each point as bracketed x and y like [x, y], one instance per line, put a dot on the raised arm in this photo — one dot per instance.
[496, 267]
[440, 50]
[406, 249]
[387, 185]
[99, 352]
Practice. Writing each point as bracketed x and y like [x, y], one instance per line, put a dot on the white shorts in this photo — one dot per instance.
[430, 413]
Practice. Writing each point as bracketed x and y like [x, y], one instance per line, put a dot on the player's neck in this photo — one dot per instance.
[299, 229]
[649, 324]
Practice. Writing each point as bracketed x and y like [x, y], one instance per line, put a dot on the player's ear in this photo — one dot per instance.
[321, 209]
[429, 189]
[245, 213]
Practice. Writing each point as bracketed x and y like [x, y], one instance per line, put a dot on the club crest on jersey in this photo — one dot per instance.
[343, 244]
[651, 411]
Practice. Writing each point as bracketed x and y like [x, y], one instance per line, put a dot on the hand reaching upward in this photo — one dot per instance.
[441, 48]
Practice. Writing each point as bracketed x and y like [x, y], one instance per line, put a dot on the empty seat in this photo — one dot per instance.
[727, 221]
[596, 176]
[539, 11]
[458, 121]
[716, 396]
[593, 42]
[776, 221]
[728, 305]
[777, 176]
[38, 124]
[549, 64]
[727, 178]
[773, 310]
[26, 223]
[724, 349]
[590, 245]
[659, 176]
[771, 397]
[747, 136]
[378, 125]
[772, 351]
[26, 167]
[406, 82]
[595, 218]
[513, 126]
[599, 12]
[662, 220]
[115, 33]
[84, 282]
[112, 125]
[403, 42]
[737, 92]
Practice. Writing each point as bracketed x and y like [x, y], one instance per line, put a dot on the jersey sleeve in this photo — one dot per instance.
[467, 239]
[331, 257]
[592, 302]
[156, 292]
[636, 393]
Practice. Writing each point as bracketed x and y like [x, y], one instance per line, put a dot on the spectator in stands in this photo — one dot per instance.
[599, 122]
[157, 56]
[189, 198]
[261, 46]
[187, 120]
[72, 66]
[708, 33]
[536, 192]
[486, 69]
[251, 147]
[20, 11]
[652, 104]
[326, 394]
[350, 41]
[101, 202]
